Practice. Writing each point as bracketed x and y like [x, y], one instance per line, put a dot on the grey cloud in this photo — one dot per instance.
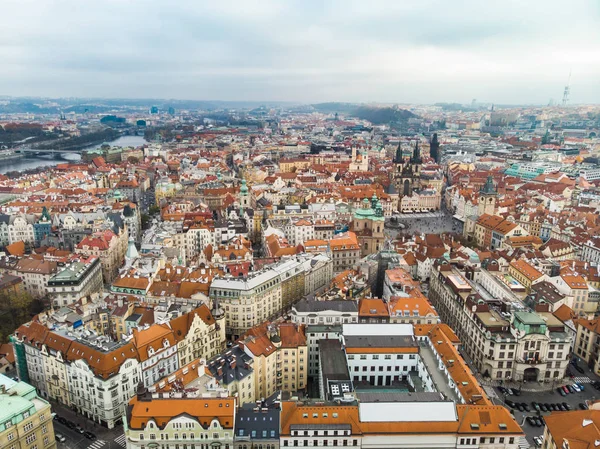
[379, 50]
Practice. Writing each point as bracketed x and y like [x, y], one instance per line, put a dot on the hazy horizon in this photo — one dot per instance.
[407, 52]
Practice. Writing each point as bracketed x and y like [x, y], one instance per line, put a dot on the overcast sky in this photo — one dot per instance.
[305, 51]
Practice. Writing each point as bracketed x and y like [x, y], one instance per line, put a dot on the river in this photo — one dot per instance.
[48, 161]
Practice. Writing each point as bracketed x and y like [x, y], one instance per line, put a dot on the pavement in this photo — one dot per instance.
[429, 223]
[105, 438]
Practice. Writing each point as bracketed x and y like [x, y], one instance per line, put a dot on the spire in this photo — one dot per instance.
[434, 147]
[374, 201]
[398, 159]
[132, 252]
[489, 188]
[416, 159]
[45, 214]
[379, 209]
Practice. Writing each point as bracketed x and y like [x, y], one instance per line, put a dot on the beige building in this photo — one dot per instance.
[109, 247]
[525, 346]
[25, 418]
[204, 334]
[179, 422]
[280, 355]
[587, 342]
[345, 251]
[250, 301]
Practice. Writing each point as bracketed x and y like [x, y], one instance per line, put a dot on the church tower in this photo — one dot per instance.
[407, 173]
[244, 196]
[487, 198]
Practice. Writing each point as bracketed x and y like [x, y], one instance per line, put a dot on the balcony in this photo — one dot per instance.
[531, 361]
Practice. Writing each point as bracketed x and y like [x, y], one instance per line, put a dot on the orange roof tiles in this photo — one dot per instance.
[526, 270]
[161, 411]
[372, 307]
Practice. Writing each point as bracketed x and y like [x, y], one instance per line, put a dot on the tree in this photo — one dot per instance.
[153, 210]
[145, 220]
[15, 309]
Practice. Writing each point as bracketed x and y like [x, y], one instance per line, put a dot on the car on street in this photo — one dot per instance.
[535, 406]
[571, 389]
[537, 441]
[62, 420]
[525, 406]
[70, 424]
[538, 421]
[510, 403]
[565, 389]
[516, 392]
[79, 429]
[89, 435]
[561, 391]
[576, 388]
[58, 437]
[567, 406]
[582, 406]
[543, 408]
[579, 368]
[581, 387]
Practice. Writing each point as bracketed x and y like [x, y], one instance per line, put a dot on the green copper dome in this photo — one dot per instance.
[365, 211]
[244, 188]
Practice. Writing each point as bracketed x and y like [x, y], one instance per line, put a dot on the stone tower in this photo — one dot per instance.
[487, 198]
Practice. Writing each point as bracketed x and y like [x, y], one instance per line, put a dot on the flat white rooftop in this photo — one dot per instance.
[364, 330]
[407, 411]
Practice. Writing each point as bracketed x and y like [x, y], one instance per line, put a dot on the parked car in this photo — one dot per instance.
[565, 389]
[567, 406]
[525, 406]
[502, 390]
[576, 388]
[519, 407]
[516, 392]
[561, 391]
[56, 417]
[80, 429]
[582, 406]
[571, 389]
[531, 421]
[543, 408]
[536, 406]
[59, 437]
[581, 387]
[62, 420]
[579, 368]
[538, 441]
[510, 403]
[538, 421]
[70, 424]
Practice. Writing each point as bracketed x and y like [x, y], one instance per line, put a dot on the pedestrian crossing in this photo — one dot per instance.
[97, 444]
[120, 440]
[581, 380]
[523, 443]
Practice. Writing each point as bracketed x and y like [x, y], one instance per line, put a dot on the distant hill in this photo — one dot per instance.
[333, 107]
[381, 116]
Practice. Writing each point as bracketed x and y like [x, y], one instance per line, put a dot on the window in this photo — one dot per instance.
[30, 438]
[27, 427]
